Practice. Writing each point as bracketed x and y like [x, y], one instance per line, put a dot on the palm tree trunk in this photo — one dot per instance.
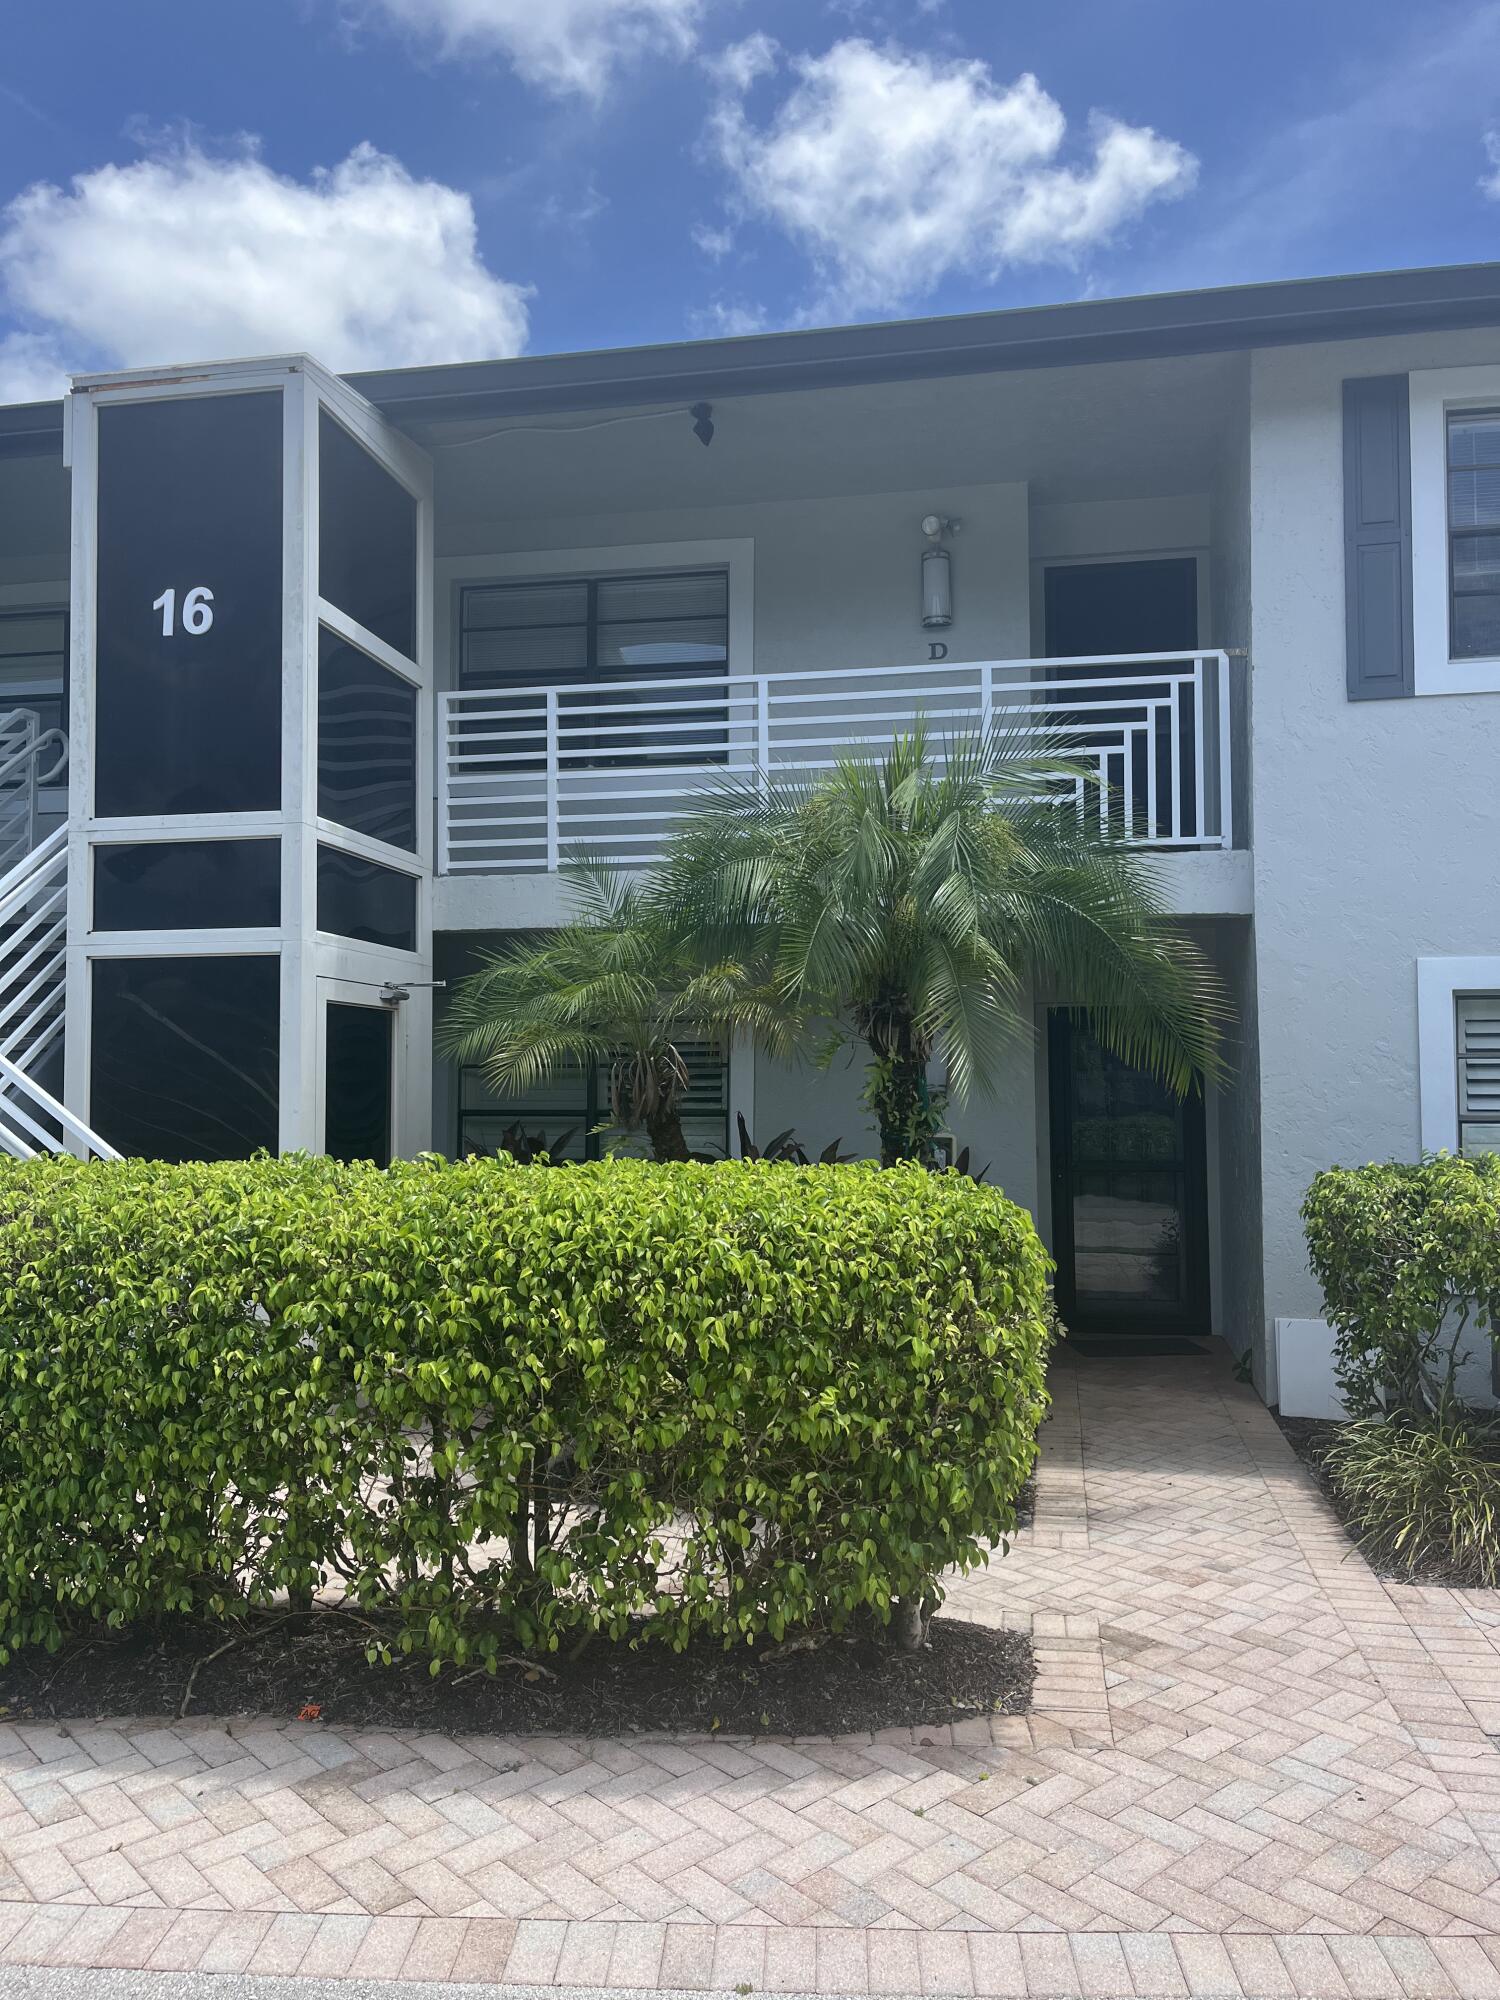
[902, 1102]
[664, 1130]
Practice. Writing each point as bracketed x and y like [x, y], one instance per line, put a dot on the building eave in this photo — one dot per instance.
[1154, 325]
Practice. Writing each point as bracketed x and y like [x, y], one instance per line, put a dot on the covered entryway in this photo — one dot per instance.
[1129, 1194]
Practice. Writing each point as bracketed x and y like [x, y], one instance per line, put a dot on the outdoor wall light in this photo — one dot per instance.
[937, 572]
[702, 415]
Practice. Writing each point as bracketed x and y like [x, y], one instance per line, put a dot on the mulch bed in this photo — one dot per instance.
[1310, 1438]
[314, 1668]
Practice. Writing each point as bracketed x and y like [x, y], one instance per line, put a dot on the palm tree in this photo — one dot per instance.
[915, 898]
[621, 984]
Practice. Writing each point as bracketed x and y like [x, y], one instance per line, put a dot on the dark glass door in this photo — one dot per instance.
[1129, 1200]
[1146, 608]
[357, 1083]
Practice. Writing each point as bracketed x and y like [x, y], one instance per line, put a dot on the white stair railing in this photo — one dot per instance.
[33, 955]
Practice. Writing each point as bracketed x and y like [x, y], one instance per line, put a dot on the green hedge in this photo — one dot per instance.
[738, 1399]
[1408, 1256]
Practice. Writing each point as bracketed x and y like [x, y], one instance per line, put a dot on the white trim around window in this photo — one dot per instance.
[1440, 981]
[1434, 392]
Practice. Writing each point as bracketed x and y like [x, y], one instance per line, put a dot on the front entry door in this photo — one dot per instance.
[1147, 608]
[358, 1080]
[1129, 1199]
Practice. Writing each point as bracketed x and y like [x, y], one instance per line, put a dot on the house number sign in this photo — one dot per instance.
[197, 611]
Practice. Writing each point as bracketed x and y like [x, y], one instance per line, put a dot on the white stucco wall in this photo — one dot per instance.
[836, 580]
[1376, 824]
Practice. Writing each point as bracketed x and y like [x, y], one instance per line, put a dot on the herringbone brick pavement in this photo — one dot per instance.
[1252, 1769]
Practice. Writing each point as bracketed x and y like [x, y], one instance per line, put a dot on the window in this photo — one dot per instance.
[1478, 1038]
[566, 1110]
[367, 744]
[1455, 529]
[187, 671]
[1474, 534]
[34, 665]
[606, 633]
[367, 539]
[177, 885]
[185, 1058]
[360, 899]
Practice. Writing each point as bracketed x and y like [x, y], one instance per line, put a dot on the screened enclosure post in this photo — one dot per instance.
[554, 839]
[1226, 767]
[444, 780]
[1200, 745]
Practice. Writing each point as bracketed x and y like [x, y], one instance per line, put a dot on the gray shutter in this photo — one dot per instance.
[1377, 537]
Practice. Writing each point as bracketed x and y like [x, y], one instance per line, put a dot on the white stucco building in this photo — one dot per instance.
[309, 686]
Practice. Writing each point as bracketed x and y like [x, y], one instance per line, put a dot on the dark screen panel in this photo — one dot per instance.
[188, 689]
[360, 899]
[367, 539]
[357, 1084]
[185, 1062]
[169, 885]
[367, 744]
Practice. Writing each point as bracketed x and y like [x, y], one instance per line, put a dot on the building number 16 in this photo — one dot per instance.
[197, 611]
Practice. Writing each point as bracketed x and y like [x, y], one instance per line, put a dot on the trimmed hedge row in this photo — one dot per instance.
[1408, 1256]
[505, 1403]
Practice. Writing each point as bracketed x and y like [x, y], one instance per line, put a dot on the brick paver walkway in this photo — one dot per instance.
[1252, 1769]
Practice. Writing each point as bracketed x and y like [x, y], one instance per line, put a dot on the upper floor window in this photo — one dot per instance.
[615, 639]
[1454, 555]
[1474, 534]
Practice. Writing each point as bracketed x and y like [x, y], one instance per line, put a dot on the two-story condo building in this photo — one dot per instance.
[310, 687]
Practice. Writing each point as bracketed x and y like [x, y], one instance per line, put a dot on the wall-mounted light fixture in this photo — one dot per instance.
[937, 572]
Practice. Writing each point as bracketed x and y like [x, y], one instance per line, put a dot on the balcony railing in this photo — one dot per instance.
[530, 778]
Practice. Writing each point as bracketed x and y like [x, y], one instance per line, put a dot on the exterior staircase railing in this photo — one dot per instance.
[33, 950]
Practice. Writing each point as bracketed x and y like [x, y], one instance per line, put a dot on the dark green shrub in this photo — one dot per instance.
[504, 1403]
[1423, 1497]
[1408, 1256]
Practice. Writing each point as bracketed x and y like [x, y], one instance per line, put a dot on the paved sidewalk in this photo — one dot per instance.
[1252, 1769]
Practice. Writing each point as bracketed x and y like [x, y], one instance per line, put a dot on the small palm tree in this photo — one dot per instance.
[914, 899]
[622, 984]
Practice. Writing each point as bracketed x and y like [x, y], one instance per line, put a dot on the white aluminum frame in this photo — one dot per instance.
[307, 956]
[1434, 392]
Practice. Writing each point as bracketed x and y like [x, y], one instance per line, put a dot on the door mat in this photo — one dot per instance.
[1130, 1346]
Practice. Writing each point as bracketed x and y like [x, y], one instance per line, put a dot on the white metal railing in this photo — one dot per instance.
[33, 939]
[529, 778]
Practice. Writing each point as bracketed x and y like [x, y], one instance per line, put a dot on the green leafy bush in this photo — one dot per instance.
[1408, 1256]
[1423, 1497]
[507, 1404]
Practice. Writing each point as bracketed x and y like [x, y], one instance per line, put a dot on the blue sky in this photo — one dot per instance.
[406, 180]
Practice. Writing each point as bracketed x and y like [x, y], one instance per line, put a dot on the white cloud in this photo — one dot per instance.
[715, 243]
[894, 169]
[727, 318]
[1490, 182]
[741, 64]
[566, 46]
[186, 256]
[31, 369]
